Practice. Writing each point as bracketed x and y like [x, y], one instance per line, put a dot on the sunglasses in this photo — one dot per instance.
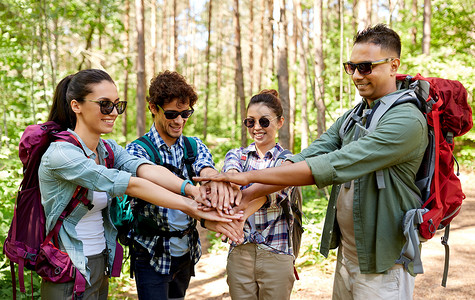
[263, 121]
[173, 114]
[108, 106]
[365, 68]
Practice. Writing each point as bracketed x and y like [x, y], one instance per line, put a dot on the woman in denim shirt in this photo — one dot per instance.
[87, 105]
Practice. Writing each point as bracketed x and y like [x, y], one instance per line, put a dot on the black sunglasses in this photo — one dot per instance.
[173, 114]
[365, 68]
[263, 121]
[108, 106]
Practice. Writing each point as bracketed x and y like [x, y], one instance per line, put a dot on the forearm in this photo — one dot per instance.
[296, 174]
[208, 171]
[163, 177]
[157, 195]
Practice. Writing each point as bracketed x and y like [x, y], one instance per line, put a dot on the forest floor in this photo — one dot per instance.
[316, 281]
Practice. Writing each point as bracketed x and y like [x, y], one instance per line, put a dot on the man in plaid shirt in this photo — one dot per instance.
[164, 262]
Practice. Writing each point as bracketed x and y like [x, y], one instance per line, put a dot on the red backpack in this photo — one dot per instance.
[27, 243]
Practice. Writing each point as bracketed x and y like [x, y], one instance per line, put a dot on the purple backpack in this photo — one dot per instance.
[27, 243]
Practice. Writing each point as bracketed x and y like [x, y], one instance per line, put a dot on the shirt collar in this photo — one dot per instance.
[101, 149]
[159, 142]
[272, 153]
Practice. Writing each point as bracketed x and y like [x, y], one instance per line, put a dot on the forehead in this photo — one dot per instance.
[176, 105]
[259, 109]
[368, 52]
[104, 89]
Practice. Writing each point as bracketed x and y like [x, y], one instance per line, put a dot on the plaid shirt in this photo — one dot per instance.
[271, 227]
[173, 155]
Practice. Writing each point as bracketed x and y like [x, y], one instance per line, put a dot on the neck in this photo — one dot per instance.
[90, 139]
[262, 149]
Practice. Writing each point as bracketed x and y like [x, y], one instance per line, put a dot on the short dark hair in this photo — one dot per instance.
[380, 35]
[74, 87]
[269, 98]
[168, 86]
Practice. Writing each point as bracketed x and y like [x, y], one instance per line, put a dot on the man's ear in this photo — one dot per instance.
[153, 108]
[75, 106]
[395, 65]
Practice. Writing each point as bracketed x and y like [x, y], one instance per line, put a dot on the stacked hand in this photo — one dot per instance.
[223, 199]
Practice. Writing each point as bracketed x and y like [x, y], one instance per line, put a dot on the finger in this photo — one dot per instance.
[201, 178]
[237, 197]
[214, 194]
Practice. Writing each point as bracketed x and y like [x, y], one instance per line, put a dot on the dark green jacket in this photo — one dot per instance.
[397, 147]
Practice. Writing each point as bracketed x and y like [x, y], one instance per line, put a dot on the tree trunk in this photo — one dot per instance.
[262, 37]
[414, 22]
[141, 84]
[319, 68]
[239, 80]
[164, 36]
[302, 75]
[153, 36]
[270, 40]
[364, 17]
[208, 47]
[283, 76]
[174, 36]
[427, 27]
[126, 65]
[251, 47]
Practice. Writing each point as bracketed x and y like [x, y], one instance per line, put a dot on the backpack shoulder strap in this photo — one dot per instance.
[282, 156]
[110, 158]
[190, 154]
[147, 144]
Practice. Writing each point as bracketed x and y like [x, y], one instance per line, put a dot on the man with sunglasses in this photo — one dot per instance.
[372, 173]
[165, 262]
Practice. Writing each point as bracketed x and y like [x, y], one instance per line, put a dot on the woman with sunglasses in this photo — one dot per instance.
[261, 267]
[87, 105]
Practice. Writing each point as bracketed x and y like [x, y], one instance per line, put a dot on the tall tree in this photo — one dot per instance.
[208, 47]
[164, 36]
[126, 63]
[174, 38]
[283, 75]
[319, 67]
[302, 75]
[262, 53]
[270, 36]
[239, 77]
[141, 84]
[414, 22]
[364, 15]
[427, 27]
[251, 46]
[153, 36]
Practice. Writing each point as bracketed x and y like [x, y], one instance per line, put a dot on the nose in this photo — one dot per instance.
[357, 74]
[178, 119]
[114, 111]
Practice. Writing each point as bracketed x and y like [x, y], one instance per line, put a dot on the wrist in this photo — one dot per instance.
[185, 186]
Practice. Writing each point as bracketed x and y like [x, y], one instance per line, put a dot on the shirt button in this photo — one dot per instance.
[334, 207]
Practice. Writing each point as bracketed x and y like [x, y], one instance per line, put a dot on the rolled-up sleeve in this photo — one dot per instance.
[232, 160]
[205, 159]
[67, 162]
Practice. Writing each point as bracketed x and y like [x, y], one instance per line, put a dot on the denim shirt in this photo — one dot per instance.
[63, 167]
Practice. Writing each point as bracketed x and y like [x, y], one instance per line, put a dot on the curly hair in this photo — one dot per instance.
[168, 86]
[269, 98]
[380, 35]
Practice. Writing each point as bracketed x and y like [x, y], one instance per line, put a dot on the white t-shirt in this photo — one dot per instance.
[90, 229]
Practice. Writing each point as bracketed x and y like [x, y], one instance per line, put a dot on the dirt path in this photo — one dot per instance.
[314, 283]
